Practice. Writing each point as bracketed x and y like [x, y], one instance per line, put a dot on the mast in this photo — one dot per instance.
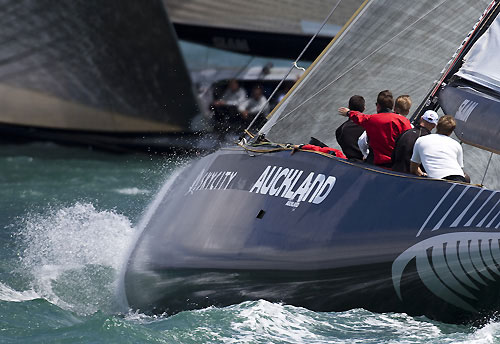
[430, 102]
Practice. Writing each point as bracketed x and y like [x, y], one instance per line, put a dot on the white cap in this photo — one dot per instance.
[431, 116]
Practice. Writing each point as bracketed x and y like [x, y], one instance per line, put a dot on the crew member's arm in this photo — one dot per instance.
[415, 161]
[355, 116]
[416, 170]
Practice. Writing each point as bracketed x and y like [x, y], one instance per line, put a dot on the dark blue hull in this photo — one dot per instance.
[317, 232]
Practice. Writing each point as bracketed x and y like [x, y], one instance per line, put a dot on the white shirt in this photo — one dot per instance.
[253, 106]
[440, 154]
[234, 98]
[363, 144]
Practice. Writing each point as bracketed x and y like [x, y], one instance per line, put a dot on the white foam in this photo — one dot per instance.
[11, 295]
[74, 253]
[264, 320]
[132, 191]
[485, 335]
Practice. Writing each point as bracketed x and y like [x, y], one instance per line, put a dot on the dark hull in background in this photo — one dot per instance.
[151, 143]
[107, 68]
[231, 228]
[253, 42]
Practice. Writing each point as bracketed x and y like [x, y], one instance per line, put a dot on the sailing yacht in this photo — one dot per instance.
[109, 75]
[258, 27]
[263, 221]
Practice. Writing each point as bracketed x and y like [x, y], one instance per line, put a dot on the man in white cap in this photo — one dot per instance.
[441, 156]
[404, 144]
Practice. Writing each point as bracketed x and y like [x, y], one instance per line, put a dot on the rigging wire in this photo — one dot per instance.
[294, 64]
[358, 63]
[487, 167]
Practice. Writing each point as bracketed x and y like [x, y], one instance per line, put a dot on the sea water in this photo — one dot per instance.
[68, 217]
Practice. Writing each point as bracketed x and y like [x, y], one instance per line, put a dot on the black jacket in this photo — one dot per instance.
[401, 155]
[347, 136]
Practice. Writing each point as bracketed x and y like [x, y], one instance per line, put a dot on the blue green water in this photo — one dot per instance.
[67, 219]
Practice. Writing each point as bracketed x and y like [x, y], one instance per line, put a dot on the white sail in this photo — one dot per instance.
[482, 63]
[278, 16]
[402, 46]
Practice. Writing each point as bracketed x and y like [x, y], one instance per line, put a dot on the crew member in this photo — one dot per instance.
[226, 113]
[250, 107]
[404, 144]
[382, 128]
[402, 105]
[441, 156]
[349, 132]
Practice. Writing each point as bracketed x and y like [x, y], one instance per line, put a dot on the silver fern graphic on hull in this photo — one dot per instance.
[452, 266]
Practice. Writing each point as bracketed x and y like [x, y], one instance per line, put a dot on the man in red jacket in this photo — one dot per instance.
[382, 128]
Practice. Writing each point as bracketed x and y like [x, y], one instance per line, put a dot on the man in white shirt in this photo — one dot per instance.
[251, 107]
[441, 156]
[233, 96]
[226, 113]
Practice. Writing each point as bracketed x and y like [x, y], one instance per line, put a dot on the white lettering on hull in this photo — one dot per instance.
[280, 182]
[219, 180]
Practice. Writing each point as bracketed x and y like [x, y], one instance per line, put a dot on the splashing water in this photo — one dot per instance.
[74, 254]
[10, 295]
[265, 322]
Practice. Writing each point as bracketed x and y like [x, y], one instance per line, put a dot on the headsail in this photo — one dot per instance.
[473, 96]
[479, 66]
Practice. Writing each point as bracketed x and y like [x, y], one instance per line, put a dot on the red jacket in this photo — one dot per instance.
[326, 150]
[382, 130]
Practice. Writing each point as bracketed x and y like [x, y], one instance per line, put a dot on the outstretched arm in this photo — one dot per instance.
[343, 111]
[355, 116]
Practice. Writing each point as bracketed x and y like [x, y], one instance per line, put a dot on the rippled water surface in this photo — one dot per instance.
[67, 219]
